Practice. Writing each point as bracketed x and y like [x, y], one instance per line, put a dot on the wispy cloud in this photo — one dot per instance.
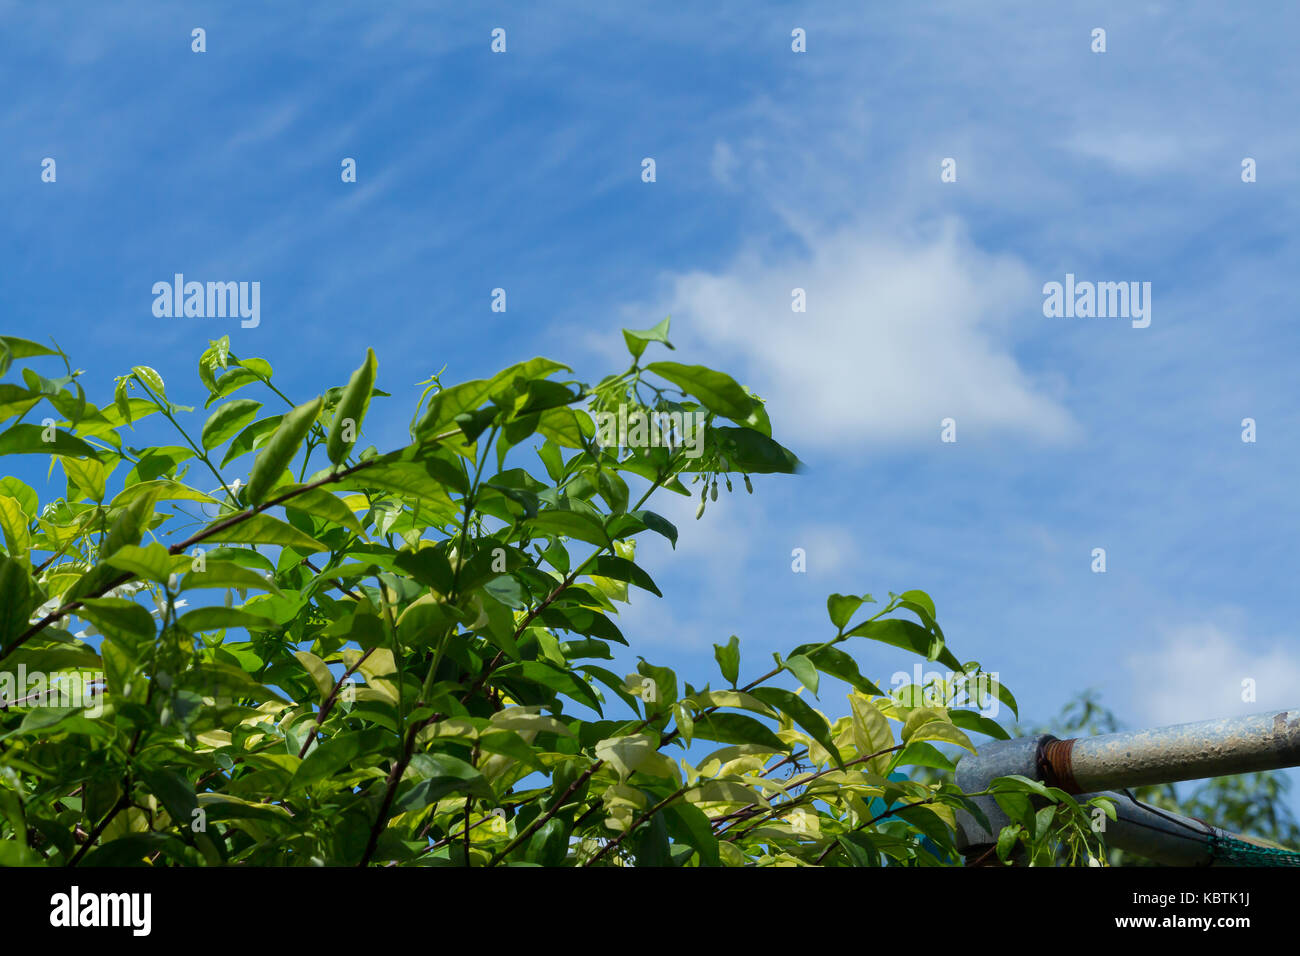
[1200, 671]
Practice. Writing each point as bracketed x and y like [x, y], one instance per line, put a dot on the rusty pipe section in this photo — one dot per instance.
[1209, 748]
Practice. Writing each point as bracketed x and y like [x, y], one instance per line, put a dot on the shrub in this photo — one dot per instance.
[358, 657]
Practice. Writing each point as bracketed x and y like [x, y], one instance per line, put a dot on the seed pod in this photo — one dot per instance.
[728, 481]
[714, 493]
[748, 485]
[699, 512]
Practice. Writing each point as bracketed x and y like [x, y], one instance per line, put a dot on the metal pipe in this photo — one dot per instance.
[1089, 765]
[1209, 748]
[1160, 836]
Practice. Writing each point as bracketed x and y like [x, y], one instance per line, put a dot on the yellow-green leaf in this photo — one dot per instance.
[281, 449]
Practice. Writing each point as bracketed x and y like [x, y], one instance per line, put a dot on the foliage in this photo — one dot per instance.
[350, 657]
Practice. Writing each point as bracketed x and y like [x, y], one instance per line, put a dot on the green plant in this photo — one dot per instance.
[358, 657]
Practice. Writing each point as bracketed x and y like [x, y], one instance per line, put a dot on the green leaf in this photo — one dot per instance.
[561, 681]
[281, 449]
[921, 754]
[122, 401]
[130, 524]
[320, 673]
[156, 462]
[857, 847]
[944, 732]
[262, 529]
[87, 474]
[507, 589]
[1019, 783]
[174, 792]
[230, 381]
[406, 478]
[872, 733]
[978, 723]
[728, 658]
[1007, 841]
[152, 562]
[922, 601]
[444, 407]
[623, 525]
[22, 493]
[582, 620]
[251, 437]
[549, 844]
[25, 348]
[30, 440]
[258, 366]
[753, 452]
[571, 524]
[160, 489]
[335, 753]
[216, 618]
[133, 850]
[923, 819]
[118, 618]
[352, 408]
[909, 636]
[215, 356]
[322, 504]
[16, 400]
[621, 569]
[729, 728]
[442, 774]
[802, 668]
[718, 392]
[638, 340]
[842, 607]
[690, 825]
[637, 753]
[14, 525]
[150, 378]
[228, 419]
[565, 426]
[16, 598]
[797, 709]
[839, 665]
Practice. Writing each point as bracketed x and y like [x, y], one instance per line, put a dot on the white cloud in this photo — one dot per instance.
[1196, 673]
[830, 549]
[899, 333]
[1133, 151]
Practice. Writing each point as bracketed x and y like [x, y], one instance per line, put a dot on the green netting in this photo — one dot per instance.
[1228, 851]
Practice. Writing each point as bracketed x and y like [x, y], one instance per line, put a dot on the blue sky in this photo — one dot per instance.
[775, 170]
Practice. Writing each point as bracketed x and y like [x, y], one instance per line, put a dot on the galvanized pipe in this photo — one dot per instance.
[1209, 748]
[1160, 836]
[1089, 765]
